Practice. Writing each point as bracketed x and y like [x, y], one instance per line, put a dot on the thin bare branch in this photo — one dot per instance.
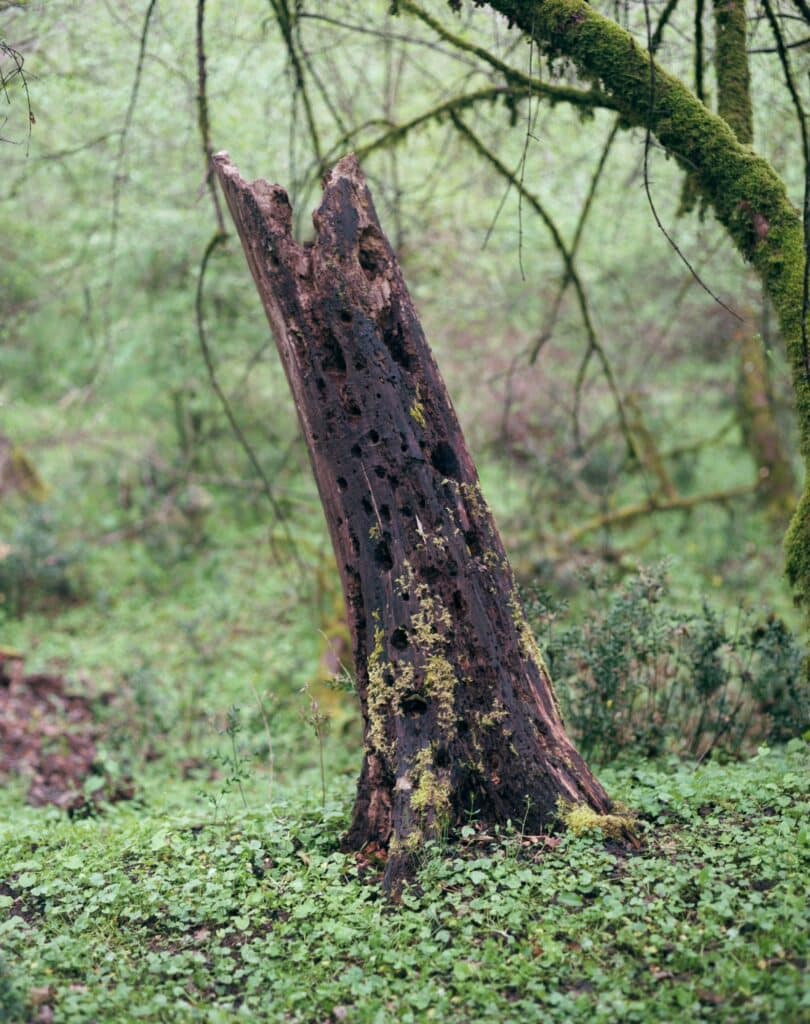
[17, 71]
[202, 336]
[551, 319]
[595, 347]
[285, 20]
[203, 118]
[647, 189]
[632, 513]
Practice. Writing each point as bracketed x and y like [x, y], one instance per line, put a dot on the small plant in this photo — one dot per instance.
[320, 723]
[262, 702]
[234, 761]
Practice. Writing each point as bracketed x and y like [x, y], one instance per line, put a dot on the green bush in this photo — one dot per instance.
[640, 674]
[36, 569]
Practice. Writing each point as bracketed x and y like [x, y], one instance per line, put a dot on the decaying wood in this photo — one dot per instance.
[458, 709]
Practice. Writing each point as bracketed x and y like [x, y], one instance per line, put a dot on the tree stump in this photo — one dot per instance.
[460, 719]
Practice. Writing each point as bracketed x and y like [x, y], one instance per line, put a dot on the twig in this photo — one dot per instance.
[698, 51]
[511, 74]
[396, 133]
[663, 21]
[523, 156]
[281, 10]
[203, 119]
[804, 7]
[594, 345]
[217, 240]
[551, 320]
[19, 61]
[788, 46]
[118, 181]
[647, 190]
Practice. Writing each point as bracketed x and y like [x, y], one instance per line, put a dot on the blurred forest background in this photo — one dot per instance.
[635, 436]
[139, 541]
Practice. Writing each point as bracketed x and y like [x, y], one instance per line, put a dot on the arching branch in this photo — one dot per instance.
[510, 94]
[632, 513]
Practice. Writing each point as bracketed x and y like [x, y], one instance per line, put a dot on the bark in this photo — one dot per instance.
[747, 195]
[731, 65]
[458, 710]
[760, 430]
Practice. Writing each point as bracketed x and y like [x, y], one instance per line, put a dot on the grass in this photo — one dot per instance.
[220, 893]
[155, 911]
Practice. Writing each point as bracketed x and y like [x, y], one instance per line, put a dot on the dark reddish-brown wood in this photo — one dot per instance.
[459, 713]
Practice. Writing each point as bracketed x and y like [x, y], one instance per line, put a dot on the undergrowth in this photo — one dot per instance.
[154, 913]
[642, 674]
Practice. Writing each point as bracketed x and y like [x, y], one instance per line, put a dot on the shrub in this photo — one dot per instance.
[35, 568]
[640, 674]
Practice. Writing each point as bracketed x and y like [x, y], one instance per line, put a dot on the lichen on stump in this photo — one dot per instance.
[458, 709]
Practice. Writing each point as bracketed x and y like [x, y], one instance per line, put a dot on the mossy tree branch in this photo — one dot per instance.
[511, 95]
[630, 514]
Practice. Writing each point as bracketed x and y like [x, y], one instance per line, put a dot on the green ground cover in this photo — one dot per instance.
[155, 911]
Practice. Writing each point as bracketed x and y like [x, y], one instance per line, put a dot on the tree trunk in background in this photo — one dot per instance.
[459, 715]
[760, 429]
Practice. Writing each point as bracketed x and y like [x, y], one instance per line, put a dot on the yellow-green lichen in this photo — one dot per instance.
[375, 533]
[440, 684]
[492, 560]
[431, 793]
[580, 818]
[530, 649]
[474, 499]
[417, 411]
[429, 676]
[427, 618]
[377, 691]
[491, 718]
[406, 582]
[414, 841]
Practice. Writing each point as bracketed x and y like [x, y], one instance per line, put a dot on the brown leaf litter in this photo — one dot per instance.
[49, 734]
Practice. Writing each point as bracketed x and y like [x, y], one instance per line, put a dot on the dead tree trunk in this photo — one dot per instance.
[458, 709]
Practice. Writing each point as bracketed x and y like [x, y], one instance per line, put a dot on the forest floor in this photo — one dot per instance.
[215, 890]
[170, 848]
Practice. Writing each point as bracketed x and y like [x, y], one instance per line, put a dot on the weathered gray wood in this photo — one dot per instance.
[458, 709]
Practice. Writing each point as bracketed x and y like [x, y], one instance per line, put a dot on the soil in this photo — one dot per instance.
[49, 735]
